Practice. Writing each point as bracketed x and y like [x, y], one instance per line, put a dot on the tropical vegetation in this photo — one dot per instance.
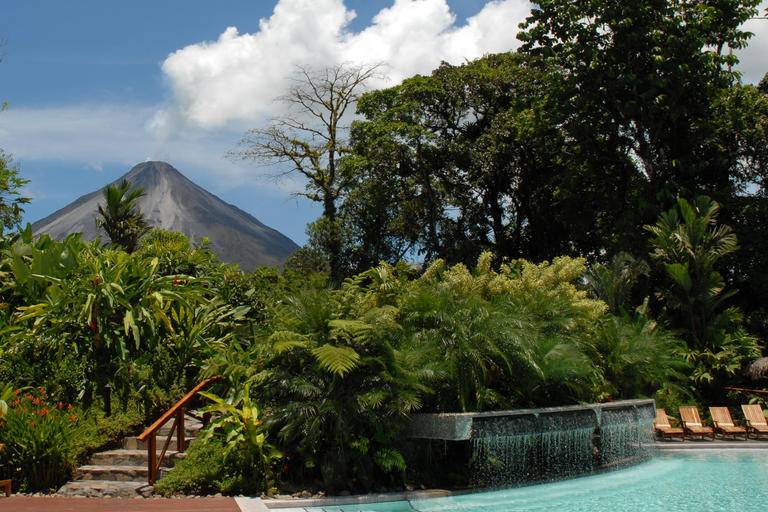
[579, 220]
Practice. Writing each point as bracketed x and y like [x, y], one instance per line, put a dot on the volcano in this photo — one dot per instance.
[171, 201]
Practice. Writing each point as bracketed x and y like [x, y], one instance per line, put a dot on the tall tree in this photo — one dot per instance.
[310, 139]
[647, 103]
[120, 217]
[11, 198]
[688, 245]
[469, 160]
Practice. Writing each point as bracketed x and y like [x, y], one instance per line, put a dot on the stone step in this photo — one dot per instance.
[105, 488]
[131, 458]
[191, 427]
[132, 443]
[114, 473]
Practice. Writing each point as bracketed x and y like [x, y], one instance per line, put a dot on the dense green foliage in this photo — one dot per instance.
[206, 470]
[119, 216]
[544, 191]
[38, 442]
[43, 440]
[11, 198]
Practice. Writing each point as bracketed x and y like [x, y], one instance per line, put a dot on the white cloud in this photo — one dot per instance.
[98, 134]
[235, 78]
[754, 64]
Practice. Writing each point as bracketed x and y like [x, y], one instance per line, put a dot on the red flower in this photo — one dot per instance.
[69, 408]
[17, 392]
[60, 405]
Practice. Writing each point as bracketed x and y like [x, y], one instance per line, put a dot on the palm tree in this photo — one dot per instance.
[688, 244]
[121, 218]
[613, 282]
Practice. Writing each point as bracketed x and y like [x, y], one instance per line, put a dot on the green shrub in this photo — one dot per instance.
[209, 468]
[96, 431]
[39, 439]
[238, 422]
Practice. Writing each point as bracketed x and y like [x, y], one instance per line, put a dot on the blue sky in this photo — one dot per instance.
[96, 86]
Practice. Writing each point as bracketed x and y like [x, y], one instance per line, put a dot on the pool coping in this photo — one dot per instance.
[247, 504]
[266, 504]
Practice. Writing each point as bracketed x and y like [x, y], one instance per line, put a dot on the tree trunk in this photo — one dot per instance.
[333, 242]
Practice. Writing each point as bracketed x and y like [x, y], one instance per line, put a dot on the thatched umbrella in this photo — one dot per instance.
[758, 369]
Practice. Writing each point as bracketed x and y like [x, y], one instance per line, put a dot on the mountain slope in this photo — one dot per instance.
[173, 202]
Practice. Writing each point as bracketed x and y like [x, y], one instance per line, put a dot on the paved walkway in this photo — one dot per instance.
[719, 444]
[58, 504]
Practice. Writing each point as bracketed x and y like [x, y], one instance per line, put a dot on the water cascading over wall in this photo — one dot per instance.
[517, 447]
[626, 435]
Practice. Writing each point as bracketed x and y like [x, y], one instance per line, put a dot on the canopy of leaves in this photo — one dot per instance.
[120, 217]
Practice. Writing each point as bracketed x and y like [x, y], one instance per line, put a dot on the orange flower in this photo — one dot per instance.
[17, 392]
[72, 418]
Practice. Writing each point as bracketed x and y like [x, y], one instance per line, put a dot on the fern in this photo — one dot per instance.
[336, 359]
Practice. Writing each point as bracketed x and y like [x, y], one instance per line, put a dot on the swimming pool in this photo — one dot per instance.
[730, 480]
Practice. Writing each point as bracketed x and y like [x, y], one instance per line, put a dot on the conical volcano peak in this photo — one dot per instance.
[171, 201]
[151, 167]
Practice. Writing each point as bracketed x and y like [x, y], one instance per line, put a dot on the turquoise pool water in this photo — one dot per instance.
[731, 480]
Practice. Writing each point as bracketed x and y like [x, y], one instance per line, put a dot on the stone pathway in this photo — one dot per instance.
[123, 473]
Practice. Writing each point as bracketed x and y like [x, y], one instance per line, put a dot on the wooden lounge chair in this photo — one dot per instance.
[692, 424]
[664, 428]
[756, 422]
[724, 424]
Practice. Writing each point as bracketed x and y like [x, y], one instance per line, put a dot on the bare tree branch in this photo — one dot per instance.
[310, 138]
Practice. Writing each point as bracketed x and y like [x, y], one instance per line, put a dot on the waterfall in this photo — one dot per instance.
[522, 446]
[626, 435]
[556, 443]
[521, 449]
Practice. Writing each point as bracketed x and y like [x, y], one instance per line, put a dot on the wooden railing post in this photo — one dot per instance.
[180, 434]
[151, 455]
[150, 433]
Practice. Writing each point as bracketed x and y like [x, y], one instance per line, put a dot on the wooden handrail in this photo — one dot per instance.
[167, 415]
[758, 392]
[150, 434]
